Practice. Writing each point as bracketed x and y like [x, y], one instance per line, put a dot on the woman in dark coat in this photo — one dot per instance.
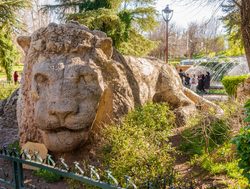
[207, 82]
[201, 83]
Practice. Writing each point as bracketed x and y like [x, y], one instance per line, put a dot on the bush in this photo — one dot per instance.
[231, 83]
[47, 175]
[15, 145]
[139, 145]
[7, 90]
[204, 133]
[222, 161]
[242, 142]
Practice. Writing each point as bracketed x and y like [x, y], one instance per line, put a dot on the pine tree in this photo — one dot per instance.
[124, 21]
[9, 23]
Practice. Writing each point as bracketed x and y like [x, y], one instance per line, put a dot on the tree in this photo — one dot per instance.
[196, 40]
[243, 7]
[9, 23]
[125, 21]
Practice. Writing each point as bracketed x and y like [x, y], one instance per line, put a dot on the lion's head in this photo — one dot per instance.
[62, 84]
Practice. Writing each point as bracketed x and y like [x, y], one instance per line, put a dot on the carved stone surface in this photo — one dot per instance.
[74, 81]
[32, 148]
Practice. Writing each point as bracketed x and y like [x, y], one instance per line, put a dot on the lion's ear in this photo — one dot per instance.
[105, 44]
[24, 42]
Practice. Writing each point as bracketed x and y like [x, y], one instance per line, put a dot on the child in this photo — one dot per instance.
[194, 83]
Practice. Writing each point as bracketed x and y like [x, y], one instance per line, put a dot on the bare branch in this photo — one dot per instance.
[236, 3]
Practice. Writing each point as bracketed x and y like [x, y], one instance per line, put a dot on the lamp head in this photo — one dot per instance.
[167, 13]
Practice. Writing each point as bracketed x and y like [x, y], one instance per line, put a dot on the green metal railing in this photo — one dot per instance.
[76, 172]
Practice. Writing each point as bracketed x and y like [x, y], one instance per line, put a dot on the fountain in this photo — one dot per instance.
[218, 68]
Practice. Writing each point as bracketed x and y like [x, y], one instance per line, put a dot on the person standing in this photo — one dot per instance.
[187, 81]
[201, 83]
[15, 77]
[182, 75]
[194, 83]
[207, 82]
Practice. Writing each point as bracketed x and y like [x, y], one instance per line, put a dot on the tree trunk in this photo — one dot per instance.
[245, 27]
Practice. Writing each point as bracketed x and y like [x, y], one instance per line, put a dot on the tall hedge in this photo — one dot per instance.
[231, 83]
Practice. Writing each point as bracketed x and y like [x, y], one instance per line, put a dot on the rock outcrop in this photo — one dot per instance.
[8, 120]
[74, 81]
[8, 111]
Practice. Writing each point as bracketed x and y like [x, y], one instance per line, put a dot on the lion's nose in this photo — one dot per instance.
[62, 111]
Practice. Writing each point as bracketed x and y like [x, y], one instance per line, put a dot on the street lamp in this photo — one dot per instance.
[167, 14]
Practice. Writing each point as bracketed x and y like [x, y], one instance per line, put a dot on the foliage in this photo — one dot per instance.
[9, 10]
[205, 132]
[7, 90]
[15, 145]
[47, 175]
[232, 22]
[235, 48]
[243, 148]
[231, 83]
[123, 21]
[9, 23]
[8, 53]
[139, 146]
[222, 161]
[217, 91]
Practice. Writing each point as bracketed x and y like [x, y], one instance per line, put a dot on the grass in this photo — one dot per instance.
[7, 89]
[47, 175]
[217, 92]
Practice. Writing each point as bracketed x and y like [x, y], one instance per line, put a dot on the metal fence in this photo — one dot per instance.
[89, 176]
[61, 168]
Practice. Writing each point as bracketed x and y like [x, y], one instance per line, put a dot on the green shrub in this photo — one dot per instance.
[231, 83]
[242, 142]
[222, 161]
[139, 145]
[47, 175]
[15, 145]
[7, 90]
[204, 133]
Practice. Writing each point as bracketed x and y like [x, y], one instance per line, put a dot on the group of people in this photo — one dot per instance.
[200, 83]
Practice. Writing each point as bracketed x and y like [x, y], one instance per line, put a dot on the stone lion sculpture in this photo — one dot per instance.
[74, 81]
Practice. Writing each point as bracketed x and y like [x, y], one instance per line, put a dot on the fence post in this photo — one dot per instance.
[18, 175]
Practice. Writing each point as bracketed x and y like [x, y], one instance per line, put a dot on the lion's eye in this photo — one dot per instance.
[40, 78]
[85, 79]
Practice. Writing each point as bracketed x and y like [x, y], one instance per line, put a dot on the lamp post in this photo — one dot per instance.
[167, 14]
